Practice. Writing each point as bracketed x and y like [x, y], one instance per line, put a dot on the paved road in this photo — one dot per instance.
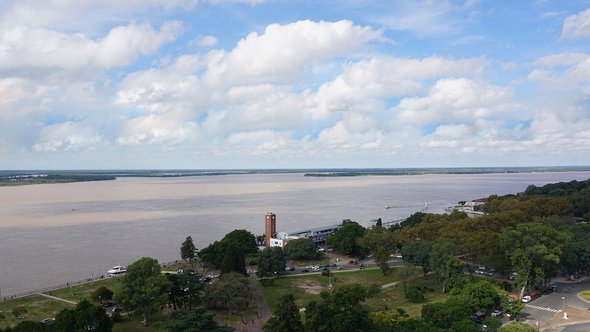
[545, 307]
[585, 327]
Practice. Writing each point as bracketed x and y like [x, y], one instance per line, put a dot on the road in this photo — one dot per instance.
[544, 308]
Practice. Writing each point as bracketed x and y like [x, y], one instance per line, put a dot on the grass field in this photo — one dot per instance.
[585, 295]
[38, 307]
[308, 287]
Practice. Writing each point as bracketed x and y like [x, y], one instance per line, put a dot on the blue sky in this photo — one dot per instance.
[290, 84]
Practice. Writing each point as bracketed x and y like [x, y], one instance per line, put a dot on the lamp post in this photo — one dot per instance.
[564, 313]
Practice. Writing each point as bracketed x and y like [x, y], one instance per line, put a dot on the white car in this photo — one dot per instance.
[527, 299]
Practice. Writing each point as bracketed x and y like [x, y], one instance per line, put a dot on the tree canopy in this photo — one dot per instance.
[286, 317]
[271, 262]
[301, 249]
[240, 241]
[144, 287]
[345, 238]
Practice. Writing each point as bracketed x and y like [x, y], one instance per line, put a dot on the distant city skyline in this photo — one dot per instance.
[238, 84]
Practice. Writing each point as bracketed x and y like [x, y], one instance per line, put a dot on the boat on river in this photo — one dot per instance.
[117, 270]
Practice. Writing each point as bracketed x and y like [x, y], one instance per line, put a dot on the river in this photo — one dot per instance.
[56, 233]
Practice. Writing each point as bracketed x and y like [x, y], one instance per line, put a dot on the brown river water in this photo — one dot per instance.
[56, 233]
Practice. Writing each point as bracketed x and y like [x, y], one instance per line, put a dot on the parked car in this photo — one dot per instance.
[527, 299]
[305, 270]
[47, 321]
[496, 313]
[534, 295]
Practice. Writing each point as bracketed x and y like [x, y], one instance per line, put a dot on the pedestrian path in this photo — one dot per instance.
[57, 298]
[542, 308]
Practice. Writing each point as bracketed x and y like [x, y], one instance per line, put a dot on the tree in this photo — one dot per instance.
[286, 317]
[198, 320]
[492, 323]
[301, 249]
[419, 254]
[512, 308]
[185, 289]
[534, 249]
[102, 294]
[238, 239]
[188, 249]
[381, 243]
[465, 325]
[379, 222]
[447, 268]
[144, 287]
[271, 262]
[29, 326]
[340, 310]
[345, 238]
[444, 314]
[234, 260]
[85, 317]
[233, 291]
[479, 296]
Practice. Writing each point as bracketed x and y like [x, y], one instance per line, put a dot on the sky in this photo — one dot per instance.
[234, 84]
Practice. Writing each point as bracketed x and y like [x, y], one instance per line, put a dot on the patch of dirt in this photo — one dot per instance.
[311, 287]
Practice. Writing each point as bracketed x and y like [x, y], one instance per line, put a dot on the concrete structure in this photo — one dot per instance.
[317, 234]
[270, 227]
[280, 239]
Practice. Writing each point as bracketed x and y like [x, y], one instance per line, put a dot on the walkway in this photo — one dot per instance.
[57, 298]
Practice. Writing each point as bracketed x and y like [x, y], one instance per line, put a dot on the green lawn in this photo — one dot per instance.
[77, 293]
[38, 307]
[307, 287]
[393, 297]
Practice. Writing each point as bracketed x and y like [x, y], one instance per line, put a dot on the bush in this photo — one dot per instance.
[373, 290]
[415, 295]
[102, 294]
[18, 312]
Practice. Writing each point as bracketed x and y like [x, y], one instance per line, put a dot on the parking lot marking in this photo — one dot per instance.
[542, 308]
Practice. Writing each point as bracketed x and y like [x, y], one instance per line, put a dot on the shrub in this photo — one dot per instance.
[18, 312]
[415, 295]
[102, 294]
[373, 290]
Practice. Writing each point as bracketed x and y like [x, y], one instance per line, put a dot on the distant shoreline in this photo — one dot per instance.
[29, 177]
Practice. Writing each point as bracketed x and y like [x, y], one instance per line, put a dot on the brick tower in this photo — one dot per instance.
[270, 227]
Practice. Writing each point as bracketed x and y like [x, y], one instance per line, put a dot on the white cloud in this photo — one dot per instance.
[158, 129]
[451, 100]
[440, 144]
[39, 50]
[282, 51]
[382, 78]
[207, 41]
[424, 18]
[567, 58]
[66, 136]
[577, 26]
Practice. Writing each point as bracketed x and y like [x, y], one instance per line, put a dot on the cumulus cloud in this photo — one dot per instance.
[451, 100]
[27, 49]
[66, 136]
[386, 77]
[282, 51]
[158, 129]
[577, 26]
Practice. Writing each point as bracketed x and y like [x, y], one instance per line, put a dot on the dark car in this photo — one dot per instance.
[47, 321]
[305, 270]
